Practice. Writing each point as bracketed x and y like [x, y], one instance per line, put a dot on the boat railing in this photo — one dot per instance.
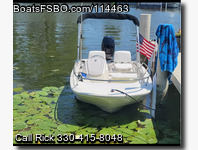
[81, 78]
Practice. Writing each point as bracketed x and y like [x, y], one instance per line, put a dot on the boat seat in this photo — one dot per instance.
[122, 60]
[96, 63]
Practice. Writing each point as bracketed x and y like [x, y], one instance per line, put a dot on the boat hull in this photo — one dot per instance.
[109, 103]
[104, 94]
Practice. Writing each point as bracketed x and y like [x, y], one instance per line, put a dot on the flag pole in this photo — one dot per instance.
[138, 50]
[80, 56]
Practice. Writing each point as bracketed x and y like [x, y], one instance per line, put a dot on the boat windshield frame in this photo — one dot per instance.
[116, 16]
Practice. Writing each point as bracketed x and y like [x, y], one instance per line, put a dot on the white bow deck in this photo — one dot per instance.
[105, 89]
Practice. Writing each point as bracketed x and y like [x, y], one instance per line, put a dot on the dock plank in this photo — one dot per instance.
[176, 76]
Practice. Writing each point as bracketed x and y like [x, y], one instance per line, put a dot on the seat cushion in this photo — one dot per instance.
[122, 56]
[99, 53]
[96, 63]
[124, 66]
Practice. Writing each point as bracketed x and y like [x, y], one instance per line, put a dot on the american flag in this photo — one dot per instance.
[146, 47]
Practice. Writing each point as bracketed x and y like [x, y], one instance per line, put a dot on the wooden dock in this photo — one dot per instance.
[176, 76]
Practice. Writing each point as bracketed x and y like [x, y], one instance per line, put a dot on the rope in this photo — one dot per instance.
[132, 98]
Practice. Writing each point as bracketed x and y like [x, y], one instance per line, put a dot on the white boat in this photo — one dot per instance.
[110, 80]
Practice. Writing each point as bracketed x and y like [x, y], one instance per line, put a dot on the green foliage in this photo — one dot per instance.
[19, 126]
[47, 89]
[42, 93]
[124, 131]
[82, 131]
[17, 101]
[137, 140]
[109, 131]
[132, 125]
[67, 128]
[91, 130]
[148, 131]
[145, 111]
[25, 95]
[50, 89]
[17, 96]
[148, 123]
[54, 111]
[30, 122]
[18, 89]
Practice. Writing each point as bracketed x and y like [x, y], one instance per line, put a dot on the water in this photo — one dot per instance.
[45, 46]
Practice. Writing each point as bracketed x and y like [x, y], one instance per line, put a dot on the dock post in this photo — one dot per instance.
[145, 25]
[161, 6]
[166, 6]
[162, 83]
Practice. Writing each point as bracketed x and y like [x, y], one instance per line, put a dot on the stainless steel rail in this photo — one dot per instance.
[81, 78]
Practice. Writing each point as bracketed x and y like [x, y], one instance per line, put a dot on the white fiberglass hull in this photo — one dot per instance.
[108, 103]
[101, 95]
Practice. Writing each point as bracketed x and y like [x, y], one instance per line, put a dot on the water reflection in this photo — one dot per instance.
[42, 49]
[45, 44]
[113, 31]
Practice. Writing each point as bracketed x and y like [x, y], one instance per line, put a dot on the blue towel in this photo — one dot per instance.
[168, 48]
